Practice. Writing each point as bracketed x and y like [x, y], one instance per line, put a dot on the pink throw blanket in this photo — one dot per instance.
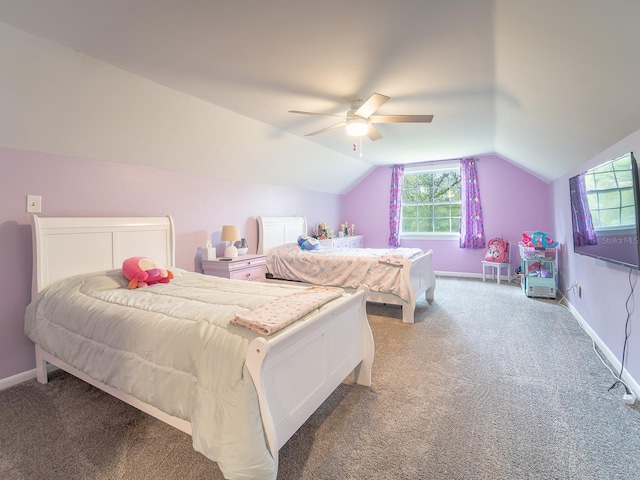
[276, 314]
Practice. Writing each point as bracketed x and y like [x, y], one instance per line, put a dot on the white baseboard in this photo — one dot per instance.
[22, 377]
[458, 274]
[611, 358]
[514, 278]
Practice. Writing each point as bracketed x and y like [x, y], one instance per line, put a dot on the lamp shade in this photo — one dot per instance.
[230, 233]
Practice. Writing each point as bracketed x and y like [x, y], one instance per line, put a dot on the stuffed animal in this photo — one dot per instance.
[143, 271]
[308, 243]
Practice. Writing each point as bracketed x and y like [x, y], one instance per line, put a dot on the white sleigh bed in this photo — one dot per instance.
[292, 371]
[418, 280]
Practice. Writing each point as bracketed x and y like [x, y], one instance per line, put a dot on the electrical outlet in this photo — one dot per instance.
[629, 398]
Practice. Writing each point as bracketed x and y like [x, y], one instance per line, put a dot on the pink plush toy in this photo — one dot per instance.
[143, 271]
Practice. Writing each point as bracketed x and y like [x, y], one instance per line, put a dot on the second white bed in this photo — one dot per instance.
[413, 275]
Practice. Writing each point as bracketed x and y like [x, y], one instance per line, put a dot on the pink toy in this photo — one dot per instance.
[143, 271]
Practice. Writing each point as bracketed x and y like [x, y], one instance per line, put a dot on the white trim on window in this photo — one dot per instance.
[429, 236]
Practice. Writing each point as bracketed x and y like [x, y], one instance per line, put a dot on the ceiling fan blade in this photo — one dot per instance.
[373, 103]
[401, 118]
[373, 133]
[326, 129]
[321, 114]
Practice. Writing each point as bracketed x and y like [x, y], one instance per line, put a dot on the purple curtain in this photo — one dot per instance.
[395, 205]
[583, 232]
[471, 226]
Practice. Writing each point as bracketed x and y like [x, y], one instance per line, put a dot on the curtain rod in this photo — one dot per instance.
[421, 164]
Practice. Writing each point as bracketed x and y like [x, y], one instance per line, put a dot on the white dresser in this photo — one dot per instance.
[355, 241]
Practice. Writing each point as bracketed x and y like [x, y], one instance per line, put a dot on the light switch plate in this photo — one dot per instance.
[34, 204]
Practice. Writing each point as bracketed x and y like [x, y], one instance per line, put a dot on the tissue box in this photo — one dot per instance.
[208, 253]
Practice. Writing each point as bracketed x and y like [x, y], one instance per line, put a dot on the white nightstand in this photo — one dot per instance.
[244, 267]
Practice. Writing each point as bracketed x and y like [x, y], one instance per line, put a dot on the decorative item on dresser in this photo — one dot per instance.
[230, 233]
[244, 267]
[208, 252]
[242, 246]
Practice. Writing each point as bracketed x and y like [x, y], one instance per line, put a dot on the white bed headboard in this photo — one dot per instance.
[275, 231]
[66, 246]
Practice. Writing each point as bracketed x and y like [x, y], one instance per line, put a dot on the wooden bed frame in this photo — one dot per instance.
[275, 231]
[293, 372]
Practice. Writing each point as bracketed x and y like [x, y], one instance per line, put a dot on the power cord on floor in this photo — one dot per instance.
[618, 377]
[626, 337]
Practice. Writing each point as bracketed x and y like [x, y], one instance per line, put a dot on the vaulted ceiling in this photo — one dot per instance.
[546, 84]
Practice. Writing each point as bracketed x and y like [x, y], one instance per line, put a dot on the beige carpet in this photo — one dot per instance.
[488, 384]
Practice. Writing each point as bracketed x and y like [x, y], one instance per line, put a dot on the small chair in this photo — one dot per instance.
[498, 266]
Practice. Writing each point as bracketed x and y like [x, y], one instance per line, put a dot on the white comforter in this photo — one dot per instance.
[169, 345]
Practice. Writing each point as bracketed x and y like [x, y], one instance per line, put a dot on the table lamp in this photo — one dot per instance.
[230, 233]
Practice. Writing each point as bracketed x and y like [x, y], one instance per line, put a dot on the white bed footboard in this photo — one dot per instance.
[296, 371]
[421, 280]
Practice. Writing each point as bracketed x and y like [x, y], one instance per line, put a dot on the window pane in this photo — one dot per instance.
[627, 216]
[425, 211]
[626, 197]
[410, 181]
[609, 218]
[409, 211]
[442, 211]
[442, 225]
[624, 179]
[409, 225]
[610, 199]
[425, 225]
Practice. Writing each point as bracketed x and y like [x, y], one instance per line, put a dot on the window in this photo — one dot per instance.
[431, 201]
[610, 196]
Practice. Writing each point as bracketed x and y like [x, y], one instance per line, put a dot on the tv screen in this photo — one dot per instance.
[604, 211]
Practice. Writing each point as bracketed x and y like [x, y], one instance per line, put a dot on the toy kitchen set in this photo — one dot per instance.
[538, 269]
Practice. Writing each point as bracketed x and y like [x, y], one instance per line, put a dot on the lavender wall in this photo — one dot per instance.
[79, 187]
[513, 201]
[605, 287]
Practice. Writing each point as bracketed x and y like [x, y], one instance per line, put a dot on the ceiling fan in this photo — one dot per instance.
[359, 118]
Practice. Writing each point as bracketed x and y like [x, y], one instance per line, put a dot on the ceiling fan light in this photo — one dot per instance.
[357, 127]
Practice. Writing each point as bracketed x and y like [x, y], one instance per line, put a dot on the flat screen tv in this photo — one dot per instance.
[604, 211]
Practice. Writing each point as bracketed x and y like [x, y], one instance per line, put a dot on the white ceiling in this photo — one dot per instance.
[547, 84]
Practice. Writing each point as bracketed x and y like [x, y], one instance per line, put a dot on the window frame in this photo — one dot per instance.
[430, 168]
